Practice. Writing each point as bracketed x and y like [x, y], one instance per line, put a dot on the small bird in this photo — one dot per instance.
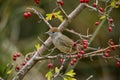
[61, 42]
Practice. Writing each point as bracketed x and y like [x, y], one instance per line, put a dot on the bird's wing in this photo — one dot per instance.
[68, 42]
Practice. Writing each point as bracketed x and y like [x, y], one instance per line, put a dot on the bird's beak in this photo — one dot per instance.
[48, 32]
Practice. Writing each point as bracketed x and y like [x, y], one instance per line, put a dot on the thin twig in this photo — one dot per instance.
[62, 10]
[96, 1]
[78, 34]
[43, 43]
[40, 16]
[93, 8]
[61, 67]
[91, 76]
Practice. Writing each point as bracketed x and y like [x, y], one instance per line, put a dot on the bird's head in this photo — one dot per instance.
[53, 32]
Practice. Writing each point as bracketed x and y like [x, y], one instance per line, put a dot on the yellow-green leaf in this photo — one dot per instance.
[49, 75]
[113, 4]
[9, 72]
[102, 17]
[56, 70]
[65, 78]
[37, 46]
[59, 17]
[70, 73]
[68, 78]
[49, 16]
[56, 15]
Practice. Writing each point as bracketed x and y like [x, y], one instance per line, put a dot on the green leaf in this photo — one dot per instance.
[9, 72]
[56, 70]
[49, 75]
[70, 73]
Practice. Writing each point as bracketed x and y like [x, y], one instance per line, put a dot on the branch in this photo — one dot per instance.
[89, 54]
[32, 61]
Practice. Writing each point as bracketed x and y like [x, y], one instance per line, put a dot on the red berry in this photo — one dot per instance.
[113, 48]
[82, 1]
[86, 1]
[37, 1]
[82, 52]
[96, 23]
[117, 3]
[79, 55]
[101, 9]
[27, 58]
[108, 50]
[110, 20]
[109, 29]
[61, 3]
[74, 60]
[25, 15]
[71, 63]
[29, 14]
[118, 63]
[61, 60]
[84, 41]
[17, 68]
[75, 44]
[14, 58]
[94, 4]
[84, 46]
[18, 54]
[50, 65]
[15, 55]
[106, 55]
[23, 63]
[53, 15]
[111, 43]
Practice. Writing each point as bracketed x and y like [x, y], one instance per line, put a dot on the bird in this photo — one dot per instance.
[61, 41]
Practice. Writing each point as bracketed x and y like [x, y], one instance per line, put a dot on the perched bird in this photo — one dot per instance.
[61, 42]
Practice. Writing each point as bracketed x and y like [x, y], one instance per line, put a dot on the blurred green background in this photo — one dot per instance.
[18, 34]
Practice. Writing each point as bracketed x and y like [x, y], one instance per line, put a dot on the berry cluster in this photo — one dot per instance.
[17, 55]
[73, 61]
[84, 1]
[110, 21]
[85, 43]
[27, 14]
